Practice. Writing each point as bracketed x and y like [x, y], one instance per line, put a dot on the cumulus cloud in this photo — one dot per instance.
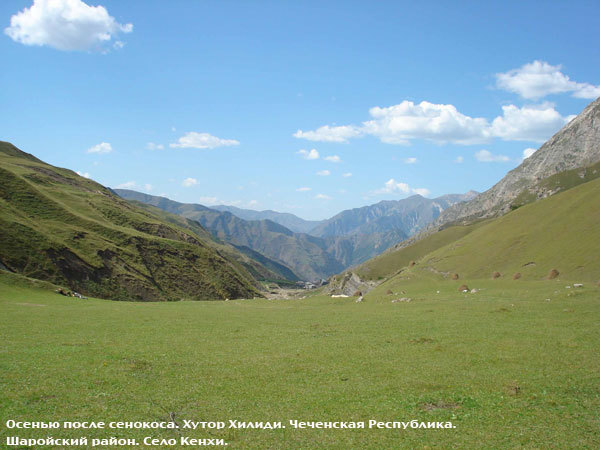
[399, 124]
[395, 187]
[459, 159]
[530, 123]
[410, 161]
[189, 182]
[333, 159]
[528, 152]
[330, 134]
[83, 174]
[309, 154]
[539, 79]
[322, 197]
[147, 187]
[323, 173]
[102, 147]
[487, 156]
[202, 140]
[127, 185]
[65, 25]
[303, 189]
[253, 203]
[444, 124]
[347, 175]
[153, 146]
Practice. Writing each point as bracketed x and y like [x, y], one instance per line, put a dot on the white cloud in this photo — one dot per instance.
[322, 197]
[153, 146]
[65, 25]
[189, 182]
[410, 161]
[539, 79]
[303, 189]
[202, 140]
[102, 147]
[395, 187]
[459, 159]
[323, 173]
[309, 154]
[83, 174]
[347, 175]
[443, 124]
[148, 187]
[528, 152]
[487, 156]
[127, 185]
[333, 159]
[253, 203]
[399, 124]
[330, 134]
[530, 123]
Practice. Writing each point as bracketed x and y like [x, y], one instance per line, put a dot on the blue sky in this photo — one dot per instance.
[212, 101]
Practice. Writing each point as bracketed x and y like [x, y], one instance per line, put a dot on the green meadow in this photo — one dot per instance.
[514, 365]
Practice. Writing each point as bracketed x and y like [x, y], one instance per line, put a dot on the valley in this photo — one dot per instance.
[300, 225]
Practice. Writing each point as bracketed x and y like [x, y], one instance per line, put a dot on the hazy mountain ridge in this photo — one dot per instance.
[288, 220]
[407, 216]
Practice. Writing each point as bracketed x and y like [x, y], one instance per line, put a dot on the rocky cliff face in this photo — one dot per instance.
[576, 145]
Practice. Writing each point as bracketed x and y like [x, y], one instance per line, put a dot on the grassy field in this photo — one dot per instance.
[513, 366]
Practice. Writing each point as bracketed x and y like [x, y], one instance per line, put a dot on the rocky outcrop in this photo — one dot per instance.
[349, 284]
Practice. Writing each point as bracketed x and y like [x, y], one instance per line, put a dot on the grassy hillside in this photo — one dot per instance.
[506, 367]
[560, 232]
[60, 227]
[387, 264]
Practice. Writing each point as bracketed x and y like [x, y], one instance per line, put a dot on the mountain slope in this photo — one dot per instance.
[576, 145]
[305, 255]
[290, 221]
[60, 227]
[560, 232]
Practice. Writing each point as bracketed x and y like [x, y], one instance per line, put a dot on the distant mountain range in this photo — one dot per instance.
[407, 216]
[346, 239]
[290, 221]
